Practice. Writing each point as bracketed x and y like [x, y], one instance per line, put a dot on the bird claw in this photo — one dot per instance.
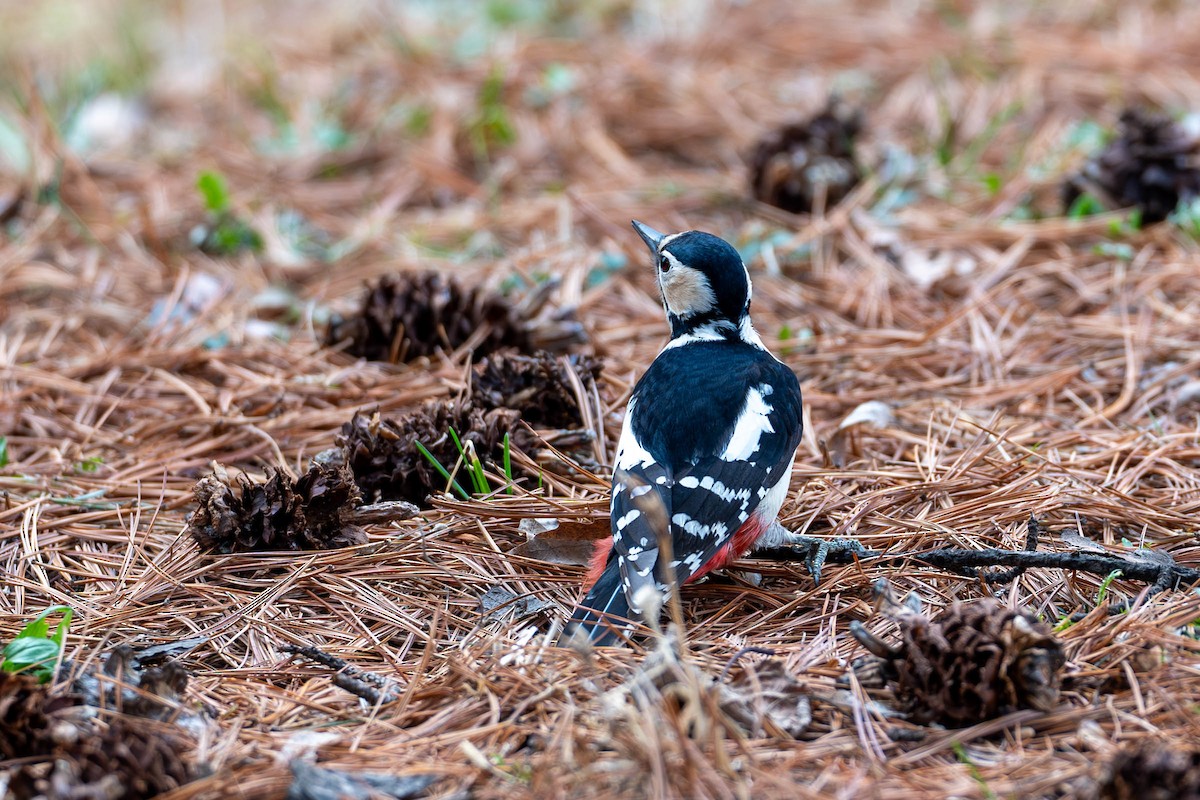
[817, 551]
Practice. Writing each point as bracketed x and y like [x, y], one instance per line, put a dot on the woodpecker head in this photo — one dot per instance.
[703, 282]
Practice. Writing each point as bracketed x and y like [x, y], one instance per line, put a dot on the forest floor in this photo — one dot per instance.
[1029, 363]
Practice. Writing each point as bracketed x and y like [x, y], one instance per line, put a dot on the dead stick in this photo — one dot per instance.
[1167, 574]
[370, 686]
[1161, 573]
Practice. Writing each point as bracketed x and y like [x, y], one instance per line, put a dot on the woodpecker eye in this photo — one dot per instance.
[664, 264]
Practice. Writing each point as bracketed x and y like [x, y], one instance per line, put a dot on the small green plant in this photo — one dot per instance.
[1119, 250]
[1187, 218]
[1084, 206]
[3, 451]
[90, 465]
[1102, 593]
[418, 121]
[224, 233]
[965, 759]
[518, 772]
[491, 128]
[35, 649]
[1128, 226]
[467, 456]
[215, 192]
[785, 335]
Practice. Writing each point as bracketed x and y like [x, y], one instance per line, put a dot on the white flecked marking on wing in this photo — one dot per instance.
[624, 521]
[697, 528]
[752, 423]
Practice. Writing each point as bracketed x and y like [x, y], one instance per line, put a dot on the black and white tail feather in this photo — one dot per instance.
[706, 450]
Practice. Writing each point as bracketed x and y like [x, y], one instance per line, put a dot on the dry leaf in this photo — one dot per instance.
[561, 541]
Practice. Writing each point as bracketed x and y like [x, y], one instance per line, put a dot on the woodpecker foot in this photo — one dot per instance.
[784, 545]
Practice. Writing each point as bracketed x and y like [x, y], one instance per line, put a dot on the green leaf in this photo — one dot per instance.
[216, 194]
[35, 649]
[22, 653]
[3, 451]
[991, 182]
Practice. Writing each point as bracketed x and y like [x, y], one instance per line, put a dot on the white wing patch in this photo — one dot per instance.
[630, 452]
[752, 423]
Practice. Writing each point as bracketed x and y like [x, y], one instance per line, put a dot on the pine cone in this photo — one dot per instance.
[1153, 164]
[1151, 770]
[798, 164]
[410, 315]
[26, 716]
[151, 693]
[540, 387]
[387, 464]
[309, 513]
[973, 663]
[127, 759]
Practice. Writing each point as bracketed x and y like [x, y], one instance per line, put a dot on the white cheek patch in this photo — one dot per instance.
[686, 290]
[753, 422]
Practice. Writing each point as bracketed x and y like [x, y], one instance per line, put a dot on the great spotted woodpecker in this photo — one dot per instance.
[708, 441]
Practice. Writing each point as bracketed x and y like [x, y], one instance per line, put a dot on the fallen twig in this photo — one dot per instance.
[1156, 568]
[372, 687]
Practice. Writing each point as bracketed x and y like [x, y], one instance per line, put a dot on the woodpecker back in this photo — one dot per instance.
[710, 432]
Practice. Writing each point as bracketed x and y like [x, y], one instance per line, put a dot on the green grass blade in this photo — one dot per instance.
[441, 470]
[478, 482]
[508, 463]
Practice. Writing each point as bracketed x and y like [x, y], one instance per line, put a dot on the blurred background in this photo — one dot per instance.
[462, 131]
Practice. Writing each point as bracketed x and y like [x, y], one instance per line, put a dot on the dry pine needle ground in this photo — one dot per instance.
[1031, 365]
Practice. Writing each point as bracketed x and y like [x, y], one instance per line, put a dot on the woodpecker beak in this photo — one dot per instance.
[651, 237]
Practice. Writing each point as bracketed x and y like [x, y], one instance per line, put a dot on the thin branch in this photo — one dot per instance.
[1157, 569]
[370, 686]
